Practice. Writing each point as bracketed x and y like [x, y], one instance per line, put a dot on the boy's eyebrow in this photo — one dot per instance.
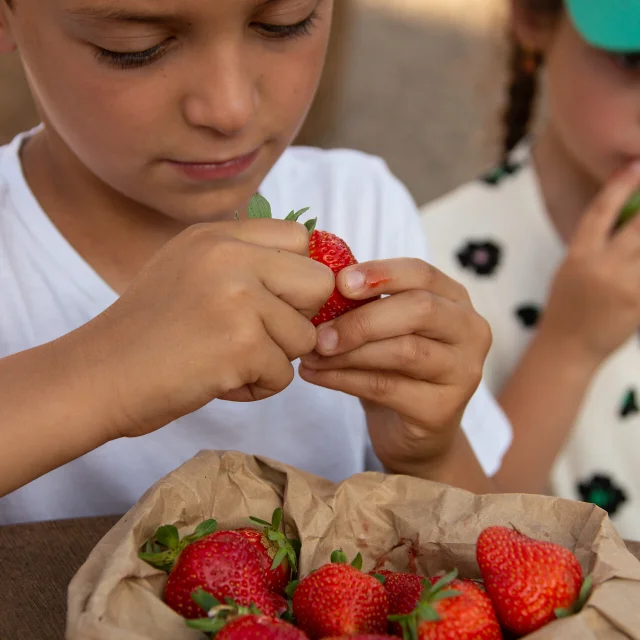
[120, 14]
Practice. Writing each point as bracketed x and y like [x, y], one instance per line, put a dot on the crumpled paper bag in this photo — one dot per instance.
[396, 522]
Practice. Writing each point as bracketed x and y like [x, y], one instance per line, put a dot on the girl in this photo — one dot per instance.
[130, 297]
[537, 244]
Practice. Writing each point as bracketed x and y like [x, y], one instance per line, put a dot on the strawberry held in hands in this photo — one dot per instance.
[226, 566]
[324, 247]
[451, 609]
[530, 583]
[339, 600]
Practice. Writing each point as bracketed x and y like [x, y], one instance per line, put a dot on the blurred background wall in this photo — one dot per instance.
[419, 82]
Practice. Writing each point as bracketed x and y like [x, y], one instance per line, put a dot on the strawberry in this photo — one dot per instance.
[530, 583]
[226, 567]
[404, 590]
[451, 609]
[234, 622]
[277, 553]
[367, 636]
[339, 599]
[324, 247]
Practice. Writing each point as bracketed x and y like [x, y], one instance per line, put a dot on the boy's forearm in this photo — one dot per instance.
[458, 468]
[542, 400]
[51, 410]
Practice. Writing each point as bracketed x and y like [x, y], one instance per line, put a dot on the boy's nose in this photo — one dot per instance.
[223, 97]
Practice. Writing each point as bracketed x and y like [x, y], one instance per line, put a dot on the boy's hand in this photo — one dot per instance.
[414, 358]
[220, 312]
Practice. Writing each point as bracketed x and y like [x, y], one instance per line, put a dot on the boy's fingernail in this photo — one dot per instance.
[354, 279]
[635, 167]
[327, 339]
[310, 361]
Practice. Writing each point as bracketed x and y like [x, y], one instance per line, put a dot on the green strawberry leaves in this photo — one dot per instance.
[289, 549]
[218, 614]
[340, 557]
[630, 209]
[162, 550]
[259, 207]
[424, 611]
[583, 596]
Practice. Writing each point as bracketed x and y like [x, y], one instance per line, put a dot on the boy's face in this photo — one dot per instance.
[594, 102]
[180, 105]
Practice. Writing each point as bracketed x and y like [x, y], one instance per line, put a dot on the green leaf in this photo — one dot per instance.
[357, 562]
[429, 614]
[204, 600]
[274, 536]
[445, 581]
[290, 589]
[563, 613]
[311, 225]
[168, 536]
[163, 560]
[208, 625]
[630, 209]
[279, 557]
[259, 207]
[264, 523]
[206, 528]
[276, 520]
[380, 578]
[294, 216]
[443, 595]
[339, 557]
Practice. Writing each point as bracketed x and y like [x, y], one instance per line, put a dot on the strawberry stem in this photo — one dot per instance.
[165, 546]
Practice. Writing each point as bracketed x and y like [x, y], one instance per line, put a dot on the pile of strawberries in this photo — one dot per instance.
[238, 585]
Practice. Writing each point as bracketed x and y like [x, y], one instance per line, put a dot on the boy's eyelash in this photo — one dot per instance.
[134, 59]
[284, 31]
[131, 59]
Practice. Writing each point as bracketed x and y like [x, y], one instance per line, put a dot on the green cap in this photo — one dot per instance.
[612, 25]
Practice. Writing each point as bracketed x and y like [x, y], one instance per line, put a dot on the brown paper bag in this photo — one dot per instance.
[395, 522]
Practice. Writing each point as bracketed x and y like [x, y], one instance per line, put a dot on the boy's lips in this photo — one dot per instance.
[211, 171]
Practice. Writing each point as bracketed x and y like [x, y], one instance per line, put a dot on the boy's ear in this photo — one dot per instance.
[534, 31]
[7, 43]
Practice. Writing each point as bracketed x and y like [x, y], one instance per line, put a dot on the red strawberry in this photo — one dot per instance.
[529, 582]
[277, 553]
[226, 568]
[451, 609]
[260, 628]
[404, 590]
[325, 248]
[338, 599]
[233, 622]
[367, 636]
[333, 252]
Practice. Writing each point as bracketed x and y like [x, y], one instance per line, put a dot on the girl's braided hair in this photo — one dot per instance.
[524, 79]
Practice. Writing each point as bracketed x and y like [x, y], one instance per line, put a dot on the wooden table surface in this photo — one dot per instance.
[37, 562]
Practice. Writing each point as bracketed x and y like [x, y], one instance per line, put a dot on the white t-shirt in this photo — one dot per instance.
[47, 290]
[495, 236]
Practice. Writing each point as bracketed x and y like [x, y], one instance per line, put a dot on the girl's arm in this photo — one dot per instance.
[542, 400]
[593, 309]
